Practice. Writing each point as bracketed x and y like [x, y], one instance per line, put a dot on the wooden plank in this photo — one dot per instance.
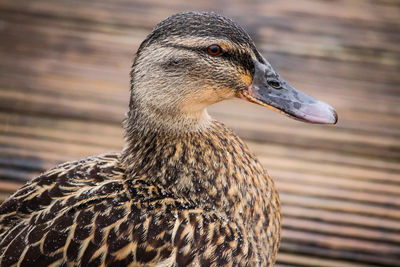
[353, 232]
[298, 247]
[298, 210]
[301, 260]
[341, 205]
[334, 182]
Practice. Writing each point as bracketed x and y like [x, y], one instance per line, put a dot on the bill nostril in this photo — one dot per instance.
[275, 84]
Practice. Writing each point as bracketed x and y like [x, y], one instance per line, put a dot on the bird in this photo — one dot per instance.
[185, 190]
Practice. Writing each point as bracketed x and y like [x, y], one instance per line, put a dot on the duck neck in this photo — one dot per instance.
[211, 167]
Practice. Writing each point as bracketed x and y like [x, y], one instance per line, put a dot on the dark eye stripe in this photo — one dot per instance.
[240, 59]
[235, 57]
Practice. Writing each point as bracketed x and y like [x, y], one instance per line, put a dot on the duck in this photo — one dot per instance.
[185, 190]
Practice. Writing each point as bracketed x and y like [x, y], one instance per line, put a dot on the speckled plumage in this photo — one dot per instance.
[101, 210]
[184, 191]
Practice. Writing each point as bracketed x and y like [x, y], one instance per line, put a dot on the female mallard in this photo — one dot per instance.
[185, 190]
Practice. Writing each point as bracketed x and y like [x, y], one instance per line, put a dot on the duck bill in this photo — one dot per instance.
[270, 90]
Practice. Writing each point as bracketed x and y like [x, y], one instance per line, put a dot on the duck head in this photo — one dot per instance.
[192, 60]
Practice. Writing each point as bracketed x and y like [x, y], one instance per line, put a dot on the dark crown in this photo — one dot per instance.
[198, 24]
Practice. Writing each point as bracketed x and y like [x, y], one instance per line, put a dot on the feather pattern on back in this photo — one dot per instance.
[99, 212]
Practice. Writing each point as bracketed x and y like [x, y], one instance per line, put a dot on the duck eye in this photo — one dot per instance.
[274, 83]
[214, 50]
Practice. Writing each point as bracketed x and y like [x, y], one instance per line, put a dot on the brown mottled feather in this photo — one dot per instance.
[101, 211]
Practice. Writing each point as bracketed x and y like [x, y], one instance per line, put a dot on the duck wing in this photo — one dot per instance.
[86, 213]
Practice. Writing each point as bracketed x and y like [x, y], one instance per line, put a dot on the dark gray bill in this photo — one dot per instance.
[269, 89]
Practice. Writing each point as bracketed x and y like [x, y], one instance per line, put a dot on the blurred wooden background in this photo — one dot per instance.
[64, 72]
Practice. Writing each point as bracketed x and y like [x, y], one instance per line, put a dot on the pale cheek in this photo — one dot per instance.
[203, 98]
